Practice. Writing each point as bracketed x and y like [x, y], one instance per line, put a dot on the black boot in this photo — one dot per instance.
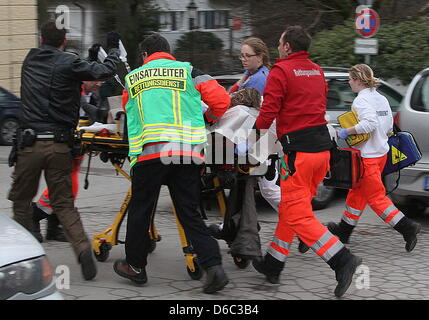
[409, 230]
[87, 264]
[344, 263]
[38, 214]
[270, 267]
[54, 231]
[342, 230]
[302, 247]
[216, 279]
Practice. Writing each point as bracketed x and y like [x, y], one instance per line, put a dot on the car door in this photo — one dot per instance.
[9, 115]
[340, 98]
[414, 117]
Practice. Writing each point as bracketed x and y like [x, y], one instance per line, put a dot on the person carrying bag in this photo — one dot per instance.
[375, 118]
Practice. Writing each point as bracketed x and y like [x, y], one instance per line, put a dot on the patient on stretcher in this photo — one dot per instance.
[240, 226]
[249, 97]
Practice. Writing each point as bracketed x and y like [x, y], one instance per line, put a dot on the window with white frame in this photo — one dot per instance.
[214, 19]
[171, 20]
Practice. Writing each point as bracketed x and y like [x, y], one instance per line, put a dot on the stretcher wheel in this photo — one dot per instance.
[241, 262]
[104, 252]
[152, 245]
[197, 273]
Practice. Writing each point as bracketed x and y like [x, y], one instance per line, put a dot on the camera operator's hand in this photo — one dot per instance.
[93, 52]
[113, 40]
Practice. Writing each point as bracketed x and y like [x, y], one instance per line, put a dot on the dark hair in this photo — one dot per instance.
[297, 37]
[154, 43]
[51, 35]
[247, 96]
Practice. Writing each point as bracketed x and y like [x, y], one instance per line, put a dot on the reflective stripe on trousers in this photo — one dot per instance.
[296, 215]
[279, 249]
[44, 204]
[327, 246]
[351, 215]
[391, 215]
[371, 192]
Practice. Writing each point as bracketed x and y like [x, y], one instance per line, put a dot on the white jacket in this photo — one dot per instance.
[375, 117]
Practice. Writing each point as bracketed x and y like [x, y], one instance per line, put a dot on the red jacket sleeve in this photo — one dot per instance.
[274, 94]
[214, 95]
[124, 99]
[234, 88]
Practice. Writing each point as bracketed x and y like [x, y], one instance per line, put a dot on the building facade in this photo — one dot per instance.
[227, 22]
[19, 28]
[18, 34]
[80, 18]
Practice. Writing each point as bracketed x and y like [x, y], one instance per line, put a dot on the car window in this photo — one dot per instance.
[420, 96]
[340, 95]
[392, 96]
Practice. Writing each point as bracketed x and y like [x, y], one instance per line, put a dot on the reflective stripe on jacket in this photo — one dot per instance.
[163, 105]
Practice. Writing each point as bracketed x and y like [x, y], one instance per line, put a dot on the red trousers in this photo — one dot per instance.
[371, 191]
[296, 215]
[44, 203]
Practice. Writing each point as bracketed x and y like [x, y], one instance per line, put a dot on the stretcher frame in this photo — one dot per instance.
[116, 147]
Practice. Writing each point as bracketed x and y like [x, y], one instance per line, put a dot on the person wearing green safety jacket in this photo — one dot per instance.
[166, 134]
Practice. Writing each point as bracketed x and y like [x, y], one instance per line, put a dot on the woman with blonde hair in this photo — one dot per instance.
[375, 118]
[255, 58]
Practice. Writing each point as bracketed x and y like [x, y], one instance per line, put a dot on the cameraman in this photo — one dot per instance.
[50, 92]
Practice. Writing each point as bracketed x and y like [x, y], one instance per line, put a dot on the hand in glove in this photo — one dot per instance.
[241, 148]
[342, 134]
[93, 52]
[113, 39]
[271, 170]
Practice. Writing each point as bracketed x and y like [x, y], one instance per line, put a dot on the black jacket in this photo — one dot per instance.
[51, 82]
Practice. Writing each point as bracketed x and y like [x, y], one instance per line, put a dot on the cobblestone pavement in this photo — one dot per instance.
[393, 273]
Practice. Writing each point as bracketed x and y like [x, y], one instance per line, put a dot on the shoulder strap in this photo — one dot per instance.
[396, 128]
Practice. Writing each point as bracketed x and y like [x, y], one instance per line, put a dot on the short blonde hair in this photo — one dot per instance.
[364, 73]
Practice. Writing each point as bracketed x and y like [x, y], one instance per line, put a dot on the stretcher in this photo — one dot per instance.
[113, 148]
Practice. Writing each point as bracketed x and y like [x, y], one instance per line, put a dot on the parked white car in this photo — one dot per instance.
[25, 272]
[412, 193]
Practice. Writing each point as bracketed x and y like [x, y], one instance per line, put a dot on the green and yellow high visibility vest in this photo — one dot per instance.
[163, 105]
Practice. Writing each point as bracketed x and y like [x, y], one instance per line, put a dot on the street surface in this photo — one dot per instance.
[389, 272]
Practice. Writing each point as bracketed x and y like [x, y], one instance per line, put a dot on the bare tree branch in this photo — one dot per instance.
[316, 21]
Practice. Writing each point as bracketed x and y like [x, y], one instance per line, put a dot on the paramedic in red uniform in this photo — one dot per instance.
[295, 96]
[375, 117]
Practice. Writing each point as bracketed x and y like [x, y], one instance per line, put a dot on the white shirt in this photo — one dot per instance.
[375, 117]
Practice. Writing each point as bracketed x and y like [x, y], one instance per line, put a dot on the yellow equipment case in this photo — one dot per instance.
[347, 120]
